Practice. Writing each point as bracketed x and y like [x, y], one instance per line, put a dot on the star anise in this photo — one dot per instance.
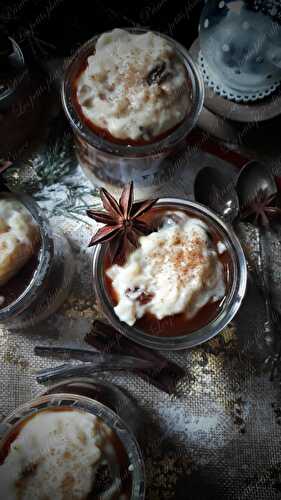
[123, 225]
[262, 208]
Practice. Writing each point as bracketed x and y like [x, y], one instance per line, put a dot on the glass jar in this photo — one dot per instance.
[236, 287]
[134, 466]
[240, 45]
[109, 163]
[52, 278]
[21, 111]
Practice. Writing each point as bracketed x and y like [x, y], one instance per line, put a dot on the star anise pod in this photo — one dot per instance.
[123, 225]
[262, 208]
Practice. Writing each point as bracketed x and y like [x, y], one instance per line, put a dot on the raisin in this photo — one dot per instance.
[157, 74]
[145, 298]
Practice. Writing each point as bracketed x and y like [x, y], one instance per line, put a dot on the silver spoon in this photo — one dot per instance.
[69, 370]
[253, 179]
[92, 362]
[214, 190]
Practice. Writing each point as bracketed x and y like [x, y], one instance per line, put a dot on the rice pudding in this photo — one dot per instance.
[176, 281]
[133, 88]
[64, 453]
[131, 96]
[19, 247]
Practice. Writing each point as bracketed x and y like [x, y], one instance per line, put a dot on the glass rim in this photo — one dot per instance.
[10, 90]
[211, 329]
[84, 403]
[45, 255]
[157, 147]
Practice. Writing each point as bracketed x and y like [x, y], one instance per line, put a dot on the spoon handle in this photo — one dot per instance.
[87, 369]
[269, 327]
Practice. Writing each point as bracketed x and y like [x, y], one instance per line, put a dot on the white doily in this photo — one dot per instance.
[211, 80]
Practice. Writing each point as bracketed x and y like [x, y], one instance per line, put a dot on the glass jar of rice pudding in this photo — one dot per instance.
[69, 445]
[131, 97]
[182, 285]
[36, 264]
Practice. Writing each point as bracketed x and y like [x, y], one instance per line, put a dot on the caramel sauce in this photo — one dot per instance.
[103, 132]
[120, 452]
[16, 286]
[179, 324]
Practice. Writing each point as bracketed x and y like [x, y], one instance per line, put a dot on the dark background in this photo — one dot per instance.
[52, 28]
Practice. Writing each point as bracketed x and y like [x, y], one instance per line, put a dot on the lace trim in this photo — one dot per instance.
[228, 93]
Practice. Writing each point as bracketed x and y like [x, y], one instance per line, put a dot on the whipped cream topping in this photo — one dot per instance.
[174, 270]
[134, 86]
[19, 236]
[56, 456]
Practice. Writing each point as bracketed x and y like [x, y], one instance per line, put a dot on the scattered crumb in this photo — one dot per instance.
[80, 308]
[11, 358]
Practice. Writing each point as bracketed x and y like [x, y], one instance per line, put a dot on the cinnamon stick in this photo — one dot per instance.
[165, 373]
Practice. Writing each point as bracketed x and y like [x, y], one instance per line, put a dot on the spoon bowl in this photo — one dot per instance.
[253, 179]
[214, 190]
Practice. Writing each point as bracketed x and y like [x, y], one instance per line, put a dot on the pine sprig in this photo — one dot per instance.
[45, 167]
[51, 177]
[77, 199]
[55, 163]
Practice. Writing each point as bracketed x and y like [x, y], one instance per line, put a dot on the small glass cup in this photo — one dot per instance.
[59, 400]
[21, 112]
[106, 162]
[235, 292]
[52, 278]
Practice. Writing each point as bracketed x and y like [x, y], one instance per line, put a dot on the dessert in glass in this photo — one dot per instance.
[21, 110]
[131, 97]
[182, 284]
[36, 265]
[66, 445]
